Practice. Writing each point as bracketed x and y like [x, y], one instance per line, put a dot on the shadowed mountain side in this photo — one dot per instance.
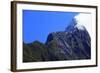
[35, 52]
[73, 45]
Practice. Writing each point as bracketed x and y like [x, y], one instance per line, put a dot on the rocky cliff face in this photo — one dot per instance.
[72, 44]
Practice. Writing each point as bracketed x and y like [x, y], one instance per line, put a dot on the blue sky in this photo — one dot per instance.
[38, 24]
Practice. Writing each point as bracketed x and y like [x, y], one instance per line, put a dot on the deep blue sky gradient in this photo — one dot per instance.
[38, 24]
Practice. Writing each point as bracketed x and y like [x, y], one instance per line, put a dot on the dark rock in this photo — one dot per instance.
[70, 45]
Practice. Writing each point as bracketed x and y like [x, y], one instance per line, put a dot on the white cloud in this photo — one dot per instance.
[85, 20]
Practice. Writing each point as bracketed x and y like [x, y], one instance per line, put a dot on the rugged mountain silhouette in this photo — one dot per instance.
[35, 52]
[72, 44]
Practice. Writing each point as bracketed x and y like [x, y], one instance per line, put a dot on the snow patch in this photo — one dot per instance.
[80, 27]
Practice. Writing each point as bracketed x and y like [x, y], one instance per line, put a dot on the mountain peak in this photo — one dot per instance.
[71, 26]
[80, 27]
[74, 24]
